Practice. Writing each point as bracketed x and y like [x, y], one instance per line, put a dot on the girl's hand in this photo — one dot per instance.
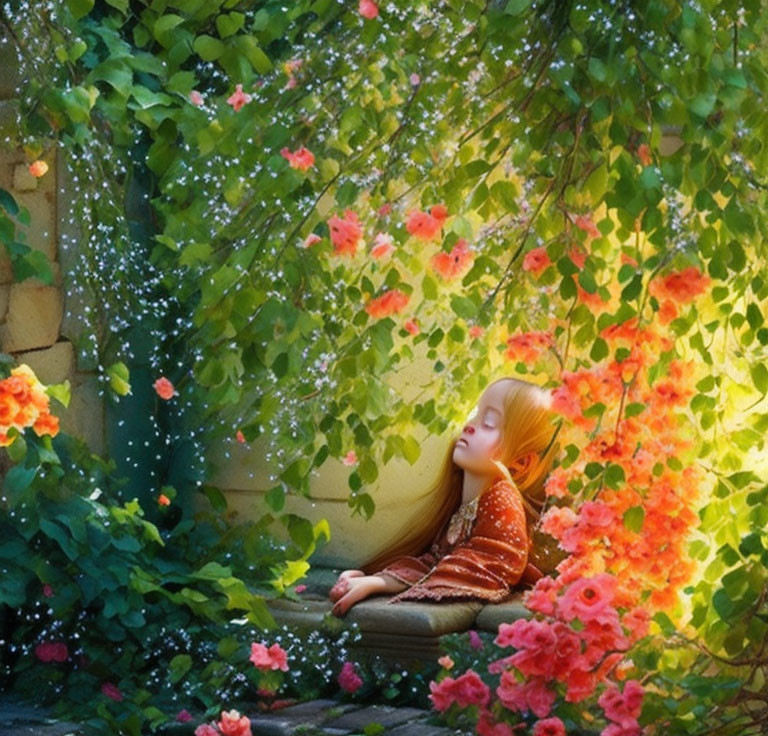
[531, 574]
[340, 587]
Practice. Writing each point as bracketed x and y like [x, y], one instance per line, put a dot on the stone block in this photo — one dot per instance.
[84, 417]
[41, 232]
[33, 319]
[23, 181]
[413, 617]
[399, 649]
[312, 713]
[53, 364]
[5, 295]
[307, 614]
[494, 614]
[420, 729]
[387, 715]
[10, 69]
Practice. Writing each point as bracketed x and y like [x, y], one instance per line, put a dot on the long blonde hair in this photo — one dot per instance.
[527, 427]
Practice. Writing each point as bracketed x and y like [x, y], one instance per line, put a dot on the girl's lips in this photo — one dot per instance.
[462, 441]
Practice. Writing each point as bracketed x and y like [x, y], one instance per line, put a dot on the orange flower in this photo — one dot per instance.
[163, 500]
[301, 159]
[9, 409]
[667, 312]
[427, 226]
[5, 440]
[46, 424]
[578, 257]
[240, 437]
[38, 168]
[164, 388]
[476, 331]
[536, 260]
[368, 9]
[390, 302]
[411, 326]
[682, 286]
[345, 233]
[238, 98]
[644, 154]
[450, 265]
[528, 346]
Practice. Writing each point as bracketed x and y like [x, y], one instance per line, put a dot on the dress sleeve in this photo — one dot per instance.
[410, 569]
[490, 562]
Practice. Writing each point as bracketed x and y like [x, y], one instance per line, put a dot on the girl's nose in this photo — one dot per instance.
[470, 429]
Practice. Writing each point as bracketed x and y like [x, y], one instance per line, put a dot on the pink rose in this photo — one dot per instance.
[183, 716]
[52, 651]
[474, 640]
[549, 727]
[233, 724]
[207, 729]
[47, 591]
[348, 678]
[272, 658]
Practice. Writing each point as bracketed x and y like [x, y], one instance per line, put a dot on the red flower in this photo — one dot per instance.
[549, 727]
[476, 331]
[644, 154]
[301, 159]
[585, 223]
[590, 599]
[528, 346]
[164, 388]
[385, 209]
[345, 233]
[183, 716]
[368, 9]
[238, 98]
[47, 591]
[450, 265]
[111, 691]
[52, 651]
[240, 437]
[163, 500]
[683, 286]
[390, 302]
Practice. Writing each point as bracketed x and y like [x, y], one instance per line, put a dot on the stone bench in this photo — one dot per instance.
[407, 631]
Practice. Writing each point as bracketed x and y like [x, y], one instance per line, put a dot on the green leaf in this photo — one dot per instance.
[80, 8]
[208, 48]
[759, 374]
[119, 378]
[633, 518]
[252, 51]
[179, 666]
[60, 392]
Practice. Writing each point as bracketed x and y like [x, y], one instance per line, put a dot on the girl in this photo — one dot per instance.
[486, 503]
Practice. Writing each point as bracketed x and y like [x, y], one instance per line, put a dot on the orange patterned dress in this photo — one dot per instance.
[481, 553]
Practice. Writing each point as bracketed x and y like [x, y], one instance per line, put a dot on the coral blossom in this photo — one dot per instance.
[368, 9]
[233, 724]
[272, 658]
[164, 388]
[238, 98]
[38, 168]
[427, 226]
[450, 265]
[390, 302]
[549, 727]
[536, 260]
[345, 233]
[301, 159]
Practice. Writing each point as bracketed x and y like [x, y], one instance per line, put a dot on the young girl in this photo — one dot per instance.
[486, 503]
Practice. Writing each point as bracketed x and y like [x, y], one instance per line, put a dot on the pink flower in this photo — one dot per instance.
[415, 79]
[164, 388]
[274, 658]
[623, 708]
[475, 331]
[368, 9]
[311, 239]
[411, 326]
[183, 716]
[469, 689]
[111, 691]
[239, 436]
[47, 591]
[541, 598]
[207, 729]
[590, 599]
[350, 458]
[533, 695]
[385, 209]
[474, 640]
[383, 246]
[487, 726]
[445, 661]
[585, 223]
[52, 651]
[238, 98]
[549, 727]
[196, 98]
[300, 588]
[233, 724]
[345, 233]
[348, 678]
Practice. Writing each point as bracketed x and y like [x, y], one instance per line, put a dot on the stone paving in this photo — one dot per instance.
[314, 718]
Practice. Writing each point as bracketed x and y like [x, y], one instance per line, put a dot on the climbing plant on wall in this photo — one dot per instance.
[573, 190]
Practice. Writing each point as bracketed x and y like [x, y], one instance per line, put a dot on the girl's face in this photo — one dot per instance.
[480, 438]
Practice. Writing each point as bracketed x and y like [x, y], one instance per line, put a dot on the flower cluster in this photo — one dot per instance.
[24, 403]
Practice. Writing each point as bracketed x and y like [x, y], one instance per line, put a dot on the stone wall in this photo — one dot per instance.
[32, 313]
